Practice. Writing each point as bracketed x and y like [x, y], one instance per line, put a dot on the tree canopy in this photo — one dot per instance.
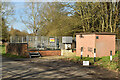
[81, 17]
[67, 18]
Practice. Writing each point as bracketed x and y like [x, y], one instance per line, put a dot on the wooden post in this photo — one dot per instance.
[94, 54]
[110, 55]
[81, 52]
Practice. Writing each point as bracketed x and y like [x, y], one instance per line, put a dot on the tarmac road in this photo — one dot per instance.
[51, 68]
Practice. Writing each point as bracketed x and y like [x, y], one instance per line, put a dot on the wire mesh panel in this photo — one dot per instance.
[117, 44]
[18, 39]
[41, 42]
[67, 39]
[45, 42]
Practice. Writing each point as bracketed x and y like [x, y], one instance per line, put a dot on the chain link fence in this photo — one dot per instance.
[117, 44]
[41, 42]
[45, 42]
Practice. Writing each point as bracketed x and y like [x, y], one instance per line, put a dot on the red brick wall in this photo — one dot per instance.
[17, 49]
[49, 52]
[21, 49]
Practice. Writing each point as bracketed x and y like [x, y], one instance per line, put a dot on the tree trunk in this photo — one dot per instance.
[111, 29]
[106, 23]
[103, 25]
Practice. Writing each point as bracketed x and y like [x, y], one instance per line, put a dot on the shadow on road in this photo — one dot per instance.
[52, 69]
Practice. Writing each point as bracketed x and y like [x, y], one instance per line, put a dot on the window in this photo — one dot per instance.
[97, 37]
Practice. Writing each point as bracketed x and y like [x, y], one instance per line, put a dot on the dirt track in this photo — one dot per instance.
[51, 68]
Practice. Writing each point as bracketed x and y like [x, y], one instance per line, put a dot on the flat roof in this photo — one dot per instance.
[98, 33]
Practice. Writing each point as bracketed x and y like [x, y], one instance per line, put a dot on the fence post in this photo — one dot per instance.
[18, 39]
[81, 52]
[22, 39]
[118, 44]
[36, 39]
[94, 54]
[55, 43]
[27, 38]
[10, 39]
[110, 55]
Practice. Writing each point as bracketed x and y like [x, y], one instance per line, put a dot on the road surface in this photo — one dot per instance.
[51, 68]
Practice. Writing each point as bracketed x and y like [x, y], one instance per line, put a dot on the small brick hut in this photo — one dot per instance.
[104, 42]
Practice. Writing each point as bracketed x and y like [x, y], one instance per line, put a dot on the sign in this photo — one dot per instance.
[85, 63]
[90, 49]
[67, 39]
[52, 40]
[67, 46]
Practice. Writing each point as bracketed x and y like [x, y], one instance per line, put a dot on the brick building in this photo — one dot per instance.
[104, 42]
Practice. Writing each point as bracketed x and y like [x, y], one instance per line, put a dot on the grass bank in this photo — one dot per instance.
[3, 53]
[103, 61]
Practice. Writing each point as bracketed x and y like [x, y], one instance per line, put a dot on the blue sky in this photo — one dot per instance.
[19, 11]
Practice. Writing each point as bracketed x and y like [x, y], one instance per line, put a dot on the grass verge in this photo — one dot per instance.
[103, 61]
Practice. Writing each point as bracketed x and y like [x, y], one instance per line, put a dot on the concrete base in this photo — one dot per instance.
[0, 42]
[67, 52]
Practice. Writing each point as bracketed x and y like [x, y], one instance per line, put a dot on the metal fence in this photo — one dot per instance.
[42, 42]
[117, 44]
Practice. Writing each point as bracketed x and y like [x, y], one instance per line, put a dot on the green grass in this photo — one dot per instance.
[106, 63]
[2, 49]
[103, 61]
[12, 56]
[3, 52]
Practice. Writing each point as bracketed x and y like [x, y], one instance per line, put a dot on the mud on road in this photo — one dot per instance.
[52, 68]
